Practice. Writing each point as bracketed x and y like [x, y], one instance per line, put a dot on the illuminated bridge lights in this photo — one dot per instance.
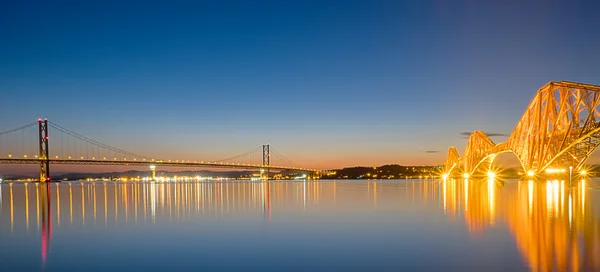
[555, 170]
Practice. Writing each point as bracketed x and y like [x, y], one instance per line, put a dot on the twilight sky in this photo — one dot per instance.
[327, 83]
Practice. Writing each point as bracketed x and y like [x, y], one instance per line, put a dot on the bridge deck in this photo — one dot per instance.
[157, 163]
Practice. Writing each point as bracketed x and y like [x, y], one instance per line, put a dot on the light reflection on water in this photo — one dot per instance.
[468, 224]
[547, 219]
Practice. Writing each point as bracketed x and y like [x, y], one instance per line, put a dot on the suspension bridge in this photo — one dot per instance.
[31, 144]
[557, 133]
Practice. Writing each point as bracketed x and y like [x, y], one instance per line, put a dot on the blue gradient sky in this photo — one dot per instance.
[327, 83]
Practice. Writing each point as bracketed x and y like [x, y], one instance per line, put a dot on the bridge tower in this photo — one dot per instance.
[44, 153]
[266, 162]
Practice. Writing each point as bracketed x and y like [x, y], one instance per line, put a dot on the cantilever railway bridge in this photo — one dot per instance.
[559, 129]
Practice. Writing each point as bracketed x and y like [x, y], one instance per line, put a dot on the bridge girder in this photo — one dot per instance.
[577, 153]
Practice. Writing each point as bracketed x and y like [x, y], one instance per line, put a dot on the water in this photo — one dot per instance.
[399, 225]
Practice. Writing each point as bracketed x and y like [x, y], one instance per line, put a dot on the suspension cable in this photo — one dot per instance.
[284, 158]
[241, 155]
[96, 143]
[19, 128]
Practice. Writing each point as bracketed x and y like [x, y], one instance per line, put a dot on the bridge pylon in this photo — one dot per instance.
[44, 152]
[266, 162]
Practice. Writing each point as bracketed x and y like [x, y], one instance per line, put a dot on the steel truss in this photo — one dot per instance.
[559, 128]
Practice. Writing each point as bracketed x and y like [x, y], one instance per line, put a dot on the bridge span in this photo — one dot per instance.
[31, 144]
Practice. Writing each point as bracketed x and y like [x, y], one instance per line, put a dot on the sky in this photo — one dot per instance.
[327, 83]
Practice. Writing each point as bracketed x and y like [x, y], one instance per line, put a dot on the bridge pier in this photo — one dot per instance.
[315, 175]
[153, 172]
[264, 173]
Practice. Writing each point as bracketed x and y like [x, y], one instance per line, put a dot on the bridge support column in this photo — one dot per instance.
[153, 172]
[266, 162]
[44, 153]
[316, 175]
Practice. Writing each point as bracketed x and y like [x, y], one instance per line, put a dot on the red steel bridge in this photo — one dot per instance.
[32, 144]
[559, 130]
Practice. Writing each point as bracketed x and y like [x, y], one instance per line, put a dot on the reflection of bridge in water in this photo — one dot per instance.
[113, 203]
[553, 224]
[43, 210]
[559, 129]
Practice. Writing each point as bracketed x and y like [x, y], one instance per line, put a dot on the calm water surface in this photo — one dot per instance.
[400, 225]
